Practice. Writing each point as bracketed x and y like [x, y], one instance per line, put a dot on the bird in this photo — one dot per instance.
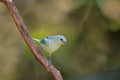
[51, 43]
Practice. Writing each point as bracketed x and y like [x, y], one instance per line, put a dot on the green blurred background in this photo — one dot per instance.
[92, 28]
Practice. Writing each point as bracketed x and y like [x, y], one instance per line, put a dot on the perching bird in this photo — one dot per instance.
[51, 43]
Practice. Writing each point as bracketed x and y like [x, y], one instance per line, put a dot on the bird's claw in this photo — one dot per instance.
[49, 63]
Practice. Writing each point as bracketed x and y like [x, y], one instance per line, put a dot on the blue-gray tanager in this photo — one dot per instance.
[51, 43]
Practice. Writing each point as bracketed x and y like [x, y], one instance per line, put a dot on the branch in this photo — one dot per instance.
[27, 38]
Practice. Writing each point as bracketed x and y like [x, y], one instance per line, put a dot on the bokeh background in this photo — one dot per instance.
[92, 28]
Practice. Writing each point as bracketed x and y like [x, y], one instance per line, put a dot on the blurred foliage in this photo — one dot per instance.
[92, 28]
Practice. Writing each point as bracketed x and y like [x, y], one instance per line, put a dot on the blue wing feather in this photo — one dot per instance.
[46, 39]
[43, 41]
[49, 37]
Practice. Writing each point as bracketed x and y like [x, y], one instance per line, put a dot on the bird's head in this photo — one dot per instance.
[62, 39]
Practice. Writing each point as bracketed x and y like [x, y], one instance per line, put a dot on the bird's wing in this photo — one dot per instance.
[43, 41]
[49, 37]
[47, 40]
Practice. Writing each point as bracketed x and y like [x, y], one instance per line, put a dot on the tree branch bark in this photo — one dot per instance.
[27, 38]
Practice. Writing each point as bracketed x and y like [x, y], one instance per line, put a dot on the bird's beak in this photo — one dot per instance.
[64, 42]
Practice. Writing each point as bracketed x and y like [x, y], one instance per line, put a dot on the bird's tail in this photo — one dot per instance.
[37, 40]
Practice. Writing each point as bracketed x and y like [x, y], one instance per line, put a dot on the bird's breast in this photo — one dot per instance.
[50, 47]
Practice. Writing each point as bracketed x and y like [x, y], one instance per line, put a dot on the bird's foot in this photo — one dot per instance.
[49, 62]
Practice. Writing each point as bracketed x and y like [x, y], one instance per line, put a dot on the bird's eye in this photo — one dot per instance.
[61, 39]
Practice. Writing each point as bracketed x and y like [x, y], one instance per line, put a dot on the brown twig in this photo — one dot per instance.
[27, 38]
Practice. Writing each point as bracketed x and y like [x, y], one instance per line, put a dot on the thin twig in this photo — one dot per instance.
[27, 38]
